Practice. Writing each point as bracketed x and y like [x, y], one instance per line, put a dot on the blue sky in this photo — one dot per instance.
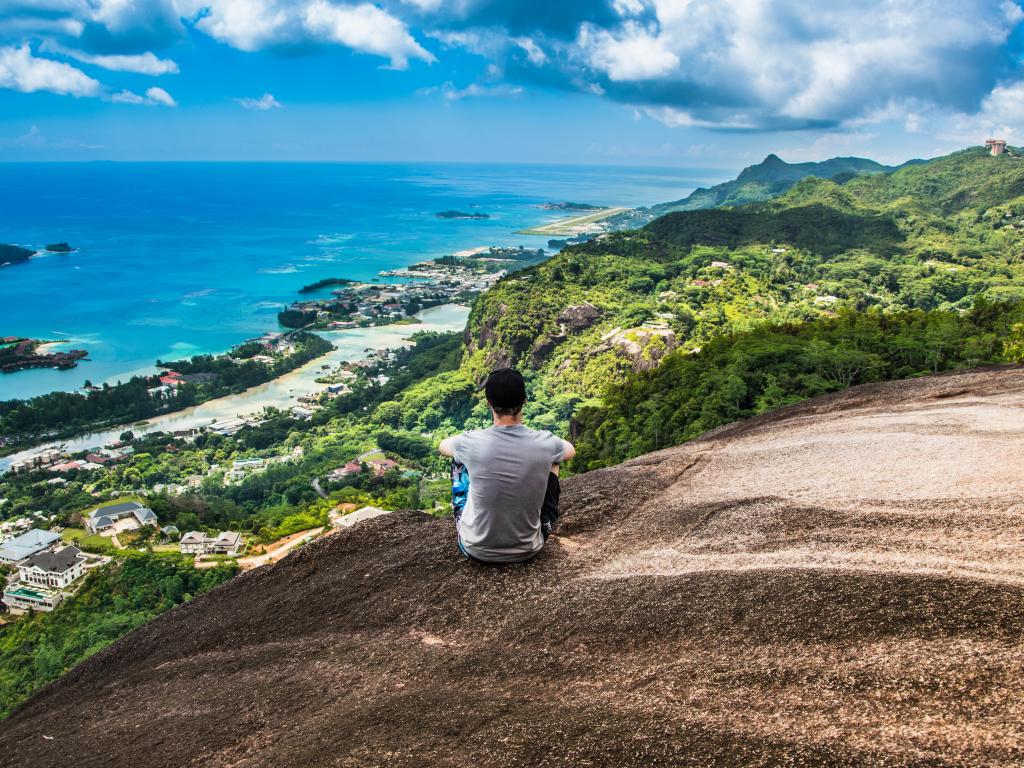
[717, 83]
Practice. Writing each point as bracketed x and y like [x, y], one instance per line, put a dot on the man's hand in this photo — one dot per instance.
[447, 447]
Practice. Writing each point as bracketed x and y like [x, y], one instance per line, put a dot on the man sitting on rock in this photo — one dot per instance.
[505, 478]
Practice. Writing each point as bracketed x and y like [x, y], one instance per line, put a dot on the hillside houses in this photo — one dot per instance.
[224, 543]
[26, 545]
[379, 466]
[354, 467]
[43, 580]
[53, 568]
[127, 516]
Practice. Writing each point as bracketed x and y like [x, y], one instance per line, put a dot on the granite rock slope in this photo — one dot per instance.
[839, 582]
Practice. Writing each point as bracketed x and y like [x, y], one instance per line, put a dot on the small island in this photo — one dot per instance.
[20, 354]
[59, 248]
[14, 254]
[461, 215]
[567, 206]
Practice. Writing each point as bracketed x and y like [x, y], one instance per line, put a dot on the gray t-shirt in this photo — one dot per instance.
[508, 476]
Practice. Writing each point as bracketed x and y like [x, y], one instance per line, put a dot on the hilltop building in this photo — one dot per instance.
[997, 146]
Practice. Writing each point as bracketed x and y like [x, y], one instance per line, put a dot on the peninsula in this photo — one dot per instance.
[325, 283]
[452, 279]
[20, 354]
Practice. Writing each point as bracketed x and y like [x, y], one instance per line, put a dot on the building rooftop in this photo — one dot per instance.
[54, 562]
[27, 544]
[104, 516]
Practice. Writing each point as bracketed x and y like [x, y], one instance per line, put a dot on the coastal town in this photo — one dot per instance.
[454, 279]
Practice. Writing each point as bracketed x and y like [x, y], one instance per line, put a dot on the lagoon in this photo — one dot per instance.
[178, 259]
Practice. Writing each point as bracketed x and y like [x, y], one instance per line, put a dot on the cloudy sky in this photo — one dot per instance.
[715, 83]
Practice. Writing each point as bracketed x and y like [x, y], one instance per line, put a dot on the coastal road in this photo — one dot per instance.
[315, 482]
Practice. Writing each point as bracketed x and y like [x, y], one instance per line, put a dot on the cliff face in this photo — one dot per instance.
[835, 583]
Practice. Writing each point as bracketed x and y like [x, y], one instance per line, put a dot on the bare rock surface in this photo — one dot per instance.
[836, 583]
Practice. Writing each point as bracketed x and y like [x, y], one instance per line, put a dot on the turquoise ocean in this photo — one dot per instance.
[178, 259]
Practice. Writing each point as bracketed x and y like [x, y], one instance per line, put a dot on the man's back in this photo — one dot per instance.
[508, 475]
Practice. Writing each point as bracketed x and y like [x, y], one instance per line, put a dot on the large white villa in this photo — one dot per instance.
[126, 516]
[43, 579]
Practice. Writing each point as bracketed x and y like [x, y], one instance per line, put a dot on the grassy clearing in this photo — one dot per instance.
[100, 545]
[71, 535]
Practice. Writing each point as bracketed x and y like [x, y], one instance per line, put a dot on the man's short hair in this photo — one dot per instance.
[506, 391]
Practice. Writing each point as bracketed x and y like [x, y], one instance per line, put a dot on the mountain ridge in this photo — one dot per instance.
[770, 178]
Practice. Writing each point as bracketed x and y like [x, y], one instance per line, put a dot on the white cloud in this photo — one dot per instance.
[142, 63]
[127, 97]
[160, 96]
[30, 25]
[263, 103]
[751, 64]
[534, 54]
[153, 97]
[425, 5]
[251, 25]
[840, 62]
[450, 93]
[475, 90]
[247, 24]
[365, 28]
[680, 118]
[628, 7]
[1001, 115]
[636, 54]
[21, 71]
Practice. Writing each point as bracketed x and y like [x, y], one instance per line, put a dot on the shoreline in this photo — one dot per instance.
[282, 392]
[150, 368]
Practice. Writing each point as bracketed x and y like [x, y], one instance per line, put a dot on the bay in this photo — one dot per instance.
[178, 259]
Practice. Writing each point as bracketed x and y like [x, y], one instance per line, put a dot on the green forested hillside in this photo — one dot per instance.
[37, 649]
[740, 375]
[933, 237]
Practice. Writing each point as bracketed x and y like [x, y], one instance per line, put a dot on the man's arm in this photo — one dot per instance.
[447, 447]
[570, 451]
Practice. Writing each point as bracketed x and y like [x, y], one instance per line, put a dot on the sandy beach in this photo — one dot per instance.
[282, 392]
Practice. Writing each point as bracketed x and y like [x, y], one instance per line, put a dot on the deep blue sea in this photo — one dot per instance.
[177, 259]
